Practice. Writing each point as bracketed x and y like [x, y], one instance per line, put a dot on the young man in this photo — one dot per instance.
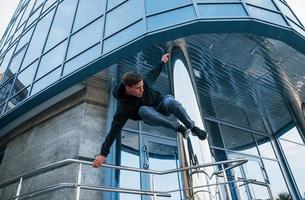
[139, 101]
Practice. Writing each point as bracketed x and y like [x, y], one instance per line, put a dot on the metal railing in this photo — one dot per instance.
[233, 163]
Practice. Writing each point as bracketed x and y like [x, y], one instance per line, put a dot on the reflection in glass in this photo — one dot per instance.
[263, 3]
[161, 5]
[266, 15]
[275, 177]
[115, 21]
[5, 89]
[163, 157]
[51, 60]
[82, 59]
[62, 23]
[38, 3]
[33, 17]
[38, 39]
[294, 154]
[113, 3]
[222, 10]
[27, 12]
[16, 61]
[158, 130]
[131, 124]
[46, 81]
[87, 12]
[25, 38]
[129, 156]
[24, 78]
[6, 60]
[88, 36]
[17, 98]
[48, 4]
[265, 146]
[238, 140]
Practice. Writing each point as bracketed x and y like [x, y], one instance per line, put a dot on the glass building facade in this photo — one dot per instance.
[237, 66]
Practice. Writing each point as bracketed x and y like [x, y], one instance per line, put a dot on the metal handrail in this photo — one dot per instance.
[110, 189]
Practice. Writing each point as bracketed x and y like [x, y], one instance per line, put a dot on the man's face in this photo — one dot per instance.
[135, 90]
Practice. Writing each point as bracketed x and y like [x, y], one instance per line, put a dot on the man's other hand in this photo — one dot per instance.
[165, 58]
[99, 161]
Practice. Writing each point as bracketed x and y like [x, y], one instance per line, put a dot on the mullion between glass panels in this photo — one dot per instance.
[168, 10]
[104, 27]
[281, 12]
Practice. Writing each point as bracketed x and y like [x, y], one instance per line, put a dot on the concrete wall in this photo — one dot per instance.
[73, 128]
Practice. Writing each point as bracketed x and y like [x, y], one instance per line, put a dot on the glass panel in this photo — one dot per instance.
[5, 89]
[131, 124]
[264, 146]
[48, 4]
[38, 3]
[221, 10]
[238, 140]
[285, 9]
[17, 99]
[161, 5]
[33, 17]
[275, 176]
[16, 61]
[266, 15]
[6, 60]
[164, 157]
[256, 122]
[294, 154]
[113, 3]
[38, 39]
[88, 36]
[28, 10]
[25, 38]
[1, 107]
[115, 21]
[158, 130]
[82, 59]
[18, 32]
[46, 81]
[87, 12]
[124, 36]
[51, 60]
[25, 78]
[129, 157]
[263, 3]
[215, 139]
[293, 135]
[62, 23]
[260, 192]
[171, 18]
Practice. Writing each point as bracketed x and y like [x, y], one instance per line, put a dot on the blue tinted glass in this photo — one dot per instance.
[17, 99]
[88, 36]
[25, 38]
[51, 60]
[33, 17]
[48, 4]
[113, 3]
[25, 78]
[297, 28]
[5, 89]
[16, 61]
[6, 60]
[82, 59]
[154, 6]
[266, 15]
[62, 23]
[285, 9]
[123, 37]
[263, 3]
[238, 140]
[46, 81]
[221, 10]
[86, 12]
[28, 10]
[38, 39]
[118, 19]
[18, 32]
[170, 18]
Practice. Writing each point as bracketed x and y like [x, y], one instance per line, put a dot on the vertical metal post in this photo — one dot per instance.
[79, 179]
[19, 189]
[228, 193]
[154, 186]
[237, 184]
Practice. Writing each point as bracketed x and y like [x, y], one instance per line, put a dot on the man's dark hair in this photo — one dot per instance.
[131, 78]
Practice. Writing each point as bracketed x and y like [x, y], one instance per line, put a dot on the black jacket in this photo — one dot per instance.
[128, 106]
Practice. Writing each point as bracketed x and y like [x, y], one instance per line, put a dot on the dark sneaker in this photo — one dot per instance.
[184, 131]
[201, 134]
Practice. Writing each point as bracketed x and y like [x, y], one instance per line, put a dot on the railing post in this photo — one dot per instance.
[227, 184]
[154, 187]
[79, 179]
[19, 189]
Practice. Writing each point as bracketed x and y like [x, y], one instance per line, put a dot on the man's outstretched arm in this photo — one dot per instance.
[153, 74]
[118, 122]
